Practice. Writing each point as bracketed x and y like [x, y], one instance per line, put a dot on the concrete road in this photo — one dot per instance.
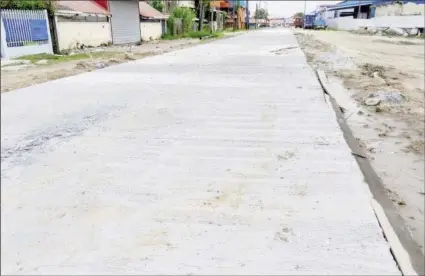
[217, 159]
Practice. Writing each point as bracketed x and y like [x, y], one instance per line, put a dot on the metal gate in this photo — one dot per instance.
[24, 32]
[125, 21]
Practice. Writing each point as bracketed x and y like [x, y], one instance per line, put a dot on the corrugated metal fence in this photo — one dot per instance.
[25, 32]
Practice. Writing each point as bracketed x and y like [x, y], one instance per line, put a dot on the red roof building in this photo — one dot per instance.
[148, 12]
[87, 6]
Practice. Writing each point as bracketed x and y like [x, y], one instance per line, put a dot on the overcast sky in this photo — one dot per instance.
[287, 8]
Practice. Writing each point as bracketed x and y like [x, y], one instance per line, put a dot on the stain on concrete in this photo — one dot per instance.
[283, 51]
[286, 155]
[283, 234]
[41, 140]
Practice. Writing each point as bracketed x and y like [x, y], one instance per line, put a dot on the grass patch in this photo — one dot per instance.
[231, 30]
[106, 54]
[204, 34]
[64, 58]
[199, 35]
[53, 58]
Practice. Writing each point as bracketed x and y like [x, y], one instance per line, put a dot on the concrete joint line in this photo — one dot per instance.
[405, 251]
[320, 75]
[397, 249]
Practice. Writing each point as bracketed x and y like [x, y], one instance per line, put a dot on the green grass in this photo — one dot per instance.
[231, 30]
[53, 58]
[199, 35]
[170, 37]
[63, 58]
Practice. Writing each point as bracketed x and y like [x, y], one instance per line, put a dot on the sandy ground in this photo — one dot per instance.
[391, 132]
[14, 77]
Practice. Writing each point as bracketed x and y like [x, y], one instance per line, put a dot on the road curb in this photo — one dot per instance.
[399, 252]
[406, 252]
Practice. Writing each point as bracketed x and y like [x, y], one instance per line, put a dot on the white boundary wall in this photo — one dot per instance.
[70, 34]
[349, 23]
[398, 9]
[150, 30]
[345, 23]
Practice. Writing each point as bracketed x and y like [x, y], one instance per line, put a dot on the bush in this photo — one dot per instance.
[170, 25]
[25, 4]
[200, 34]
[186, 15]
[180, 25]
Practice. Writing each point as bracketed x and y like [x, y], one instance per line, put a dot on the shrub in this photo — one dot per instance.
[185, 14]
[25, 4]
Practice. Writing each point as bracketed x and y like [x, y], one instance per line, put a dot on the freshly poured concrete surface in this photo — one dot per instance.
[218, 159]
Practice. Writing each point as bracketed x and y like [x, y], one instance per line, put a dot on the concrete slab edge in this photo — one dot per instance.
[405, 250]
[399, 252]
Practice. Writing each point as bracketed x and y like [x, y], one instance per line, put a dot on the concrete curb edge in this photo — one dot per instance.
[406, 252]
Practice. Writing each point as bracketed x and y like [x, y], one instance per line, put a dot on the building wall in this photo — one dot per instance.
[71, 34]
[150, 30]
[329, 14]
[405, 9]
[348, 23]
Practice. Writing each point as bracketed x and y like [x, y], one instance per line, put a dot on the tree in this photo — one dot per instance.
[261, 14]
[169, 6]
[25, 4]
[203, 4]
[157, 4]
[299, 14]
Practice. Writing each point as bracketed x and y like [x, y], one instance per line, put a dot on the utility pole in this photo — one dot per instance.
[256, 15]
[234, 19]
[201, 15]
[305, 7]
[247, 15]
[360, 7]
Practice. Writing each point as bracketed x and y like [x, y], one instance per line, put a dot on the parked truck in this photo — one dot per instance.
[298, 22]
[319, 24]
[308, 21]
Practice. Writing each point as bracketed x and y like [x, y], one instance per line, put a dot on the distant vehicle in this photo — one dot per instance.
[308, 21]
[298, 22]
[319, 24]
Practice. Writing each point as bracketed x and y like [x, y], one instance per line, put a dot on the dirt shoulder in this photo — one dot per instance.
[15, 76]
[381, 86]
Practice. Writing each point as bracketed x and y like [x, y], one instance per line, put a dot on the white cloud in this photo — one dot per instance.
[287, 8]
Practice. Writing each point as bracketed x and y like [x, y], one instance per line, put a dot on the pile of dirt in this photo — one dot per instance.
[372, 69]
[84, 65]
[363, 78]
